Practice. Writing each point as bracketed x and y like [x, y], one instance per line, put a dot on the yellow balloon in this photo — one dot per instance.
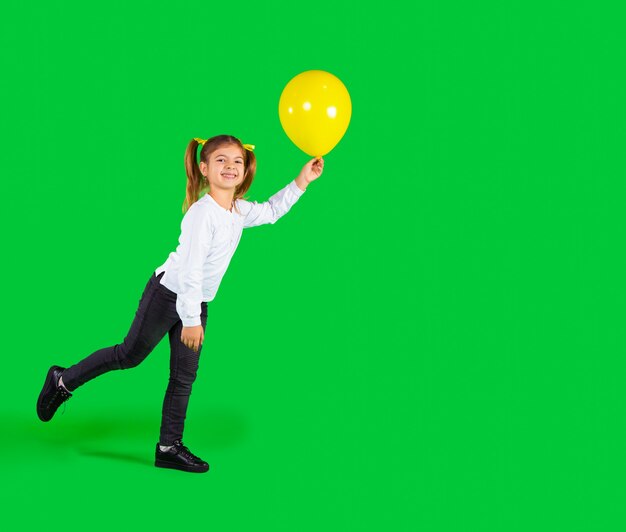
[314, 110]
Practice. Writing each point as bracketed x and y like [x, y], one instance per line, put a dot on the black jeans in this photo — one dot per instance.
[155, 316]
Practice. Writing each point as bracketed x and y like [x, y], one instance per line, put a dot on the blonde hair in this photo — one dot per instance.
[195, 180]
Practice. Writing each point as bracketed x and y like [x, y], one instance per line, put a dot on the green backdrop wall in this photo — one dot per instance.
[431, 339]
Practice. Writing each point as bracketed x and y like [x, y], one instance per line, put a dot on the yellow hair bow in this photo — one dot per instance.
[249, 147]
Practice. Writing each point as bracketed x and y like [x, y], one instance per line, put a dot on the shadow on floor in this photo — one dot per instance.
[141, 459]
[115, 437]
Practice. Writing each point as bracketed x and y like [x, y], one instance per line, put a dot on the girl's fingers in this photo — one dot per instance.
[193, 343]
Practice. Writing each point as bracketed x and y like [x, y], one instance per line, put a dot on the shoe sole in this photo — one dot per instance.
[181, 467]
[48, 383]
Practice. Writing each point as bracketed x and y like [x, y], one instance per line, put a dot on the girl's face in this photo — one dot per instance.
[225, 169]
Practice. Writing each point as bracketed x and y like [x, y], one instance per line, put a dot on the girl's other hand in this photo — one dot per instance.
[193, 337]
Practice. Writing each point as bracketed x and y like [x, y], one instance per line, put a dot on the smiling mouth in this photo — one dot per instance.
[230, 176]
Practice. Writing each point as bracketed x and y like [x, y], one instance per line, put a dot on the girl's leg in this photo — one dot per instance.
[183, 369]
[154, 317]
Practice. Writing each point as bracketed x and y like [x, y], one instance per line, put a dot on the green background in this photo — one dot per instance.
[431, 339]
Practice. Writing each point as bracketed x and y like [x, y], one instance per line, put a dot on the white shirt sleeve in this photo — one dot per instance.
[195, 240]
[271, 210]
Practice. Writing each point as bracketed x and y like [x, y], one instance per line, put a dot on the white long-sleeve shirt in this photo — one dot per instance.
[208, 239]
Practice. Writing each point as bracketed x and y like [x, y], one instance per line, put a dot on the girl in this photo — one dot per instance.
[175, 298]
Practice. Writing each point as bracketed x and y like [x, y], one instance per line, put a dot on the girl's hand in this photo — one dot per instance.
[193, 337]
[312, 170]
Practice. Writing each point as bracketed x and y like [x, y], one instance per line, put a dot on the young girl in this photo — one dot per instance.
[175, 298]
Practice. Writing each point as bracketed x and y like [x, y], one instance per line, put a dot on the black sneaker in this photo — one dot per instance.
[180, 457]
[52, 395]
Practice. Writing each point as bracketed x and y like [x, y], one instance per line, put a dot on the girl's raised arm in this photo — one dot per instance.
[279, 204]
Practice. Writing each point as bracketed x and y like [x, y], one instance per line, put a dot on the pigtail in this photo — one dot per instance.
[195, 180]
[248, 176]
